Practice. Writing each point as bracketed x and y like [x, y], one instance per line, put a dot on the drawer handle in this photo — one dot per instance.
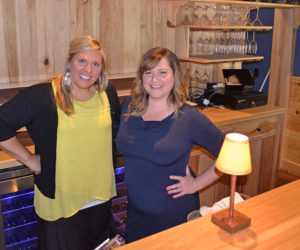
[258, 129]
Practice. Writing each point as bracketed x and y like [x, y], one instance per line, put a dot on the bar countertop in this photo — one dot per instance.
[275, 224]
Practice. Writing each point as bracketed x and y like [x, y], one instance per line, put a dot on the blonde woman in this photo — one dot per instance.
[72, 121]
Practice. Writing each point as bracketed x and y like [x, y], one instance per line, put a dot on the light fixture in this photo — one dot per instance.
[234, 159]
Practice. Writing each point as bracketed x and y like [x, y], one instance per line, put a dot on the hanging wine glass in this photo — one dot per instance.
[253, 45]
[196, 78]
[210, 13]
[191, 46]
[204, 21]
[206, 44]
[247, 44]
[247, 20]
[257, 21]
[186, 19]
[204, 77]
[196, 18]
[199, 46]
[187, 77]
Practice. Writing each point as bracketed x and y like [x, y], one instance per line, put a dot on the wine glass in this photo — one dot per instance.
[253, 45]
[204, 21]
[247, 44]
[204, 77]
[187, 19]
[199, 46]
[196, 78]
[247, 19]
[191, 46]
[257, 21]
[187, 77]
[206, 45]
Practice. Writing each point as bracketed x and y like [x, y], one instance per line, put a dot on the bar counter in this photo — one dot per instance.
[275, 224]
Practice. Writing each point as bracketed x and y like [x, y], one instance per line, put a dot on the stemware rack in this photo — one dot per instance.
[183, 31]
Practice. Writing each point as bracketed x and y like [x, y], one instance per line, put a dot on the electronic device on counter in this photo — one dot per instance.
[239, 90]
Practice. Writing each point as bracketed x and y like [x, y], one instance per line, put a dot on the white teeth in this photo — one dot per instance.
[85, 77]
[155, 86]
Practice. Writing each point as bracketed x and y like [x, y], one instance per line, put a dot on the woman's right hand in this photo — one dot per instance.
[34, 163]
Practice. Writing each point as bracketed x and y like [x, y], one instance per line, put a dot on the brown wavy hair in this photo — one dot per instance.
[139, 95]
[79, 45]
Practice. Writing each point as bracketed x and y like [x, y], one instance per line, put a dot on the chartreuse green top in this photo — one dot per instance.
[84, 164]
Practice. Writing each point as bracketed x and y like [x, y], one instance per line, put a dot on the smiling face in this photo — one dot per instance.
[159, 81]
[85, 69]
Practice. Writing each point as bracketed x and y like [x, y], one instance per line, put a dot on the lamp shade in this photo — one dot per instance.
[234, 157]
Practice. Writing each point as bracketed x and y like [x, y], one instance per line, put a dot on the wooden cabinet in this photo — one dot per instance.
[263, 127]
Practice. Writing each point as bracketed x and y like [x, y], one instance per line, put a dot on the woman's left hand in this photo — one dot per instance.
[186, 185]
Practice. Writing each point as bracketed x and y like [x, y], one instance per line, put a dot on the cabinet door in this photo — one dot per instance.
[263, 135]
[261, 178]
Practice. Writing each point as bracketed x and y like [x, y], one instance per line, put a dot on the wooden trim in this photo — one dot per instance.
[227, 28]
[220, 58]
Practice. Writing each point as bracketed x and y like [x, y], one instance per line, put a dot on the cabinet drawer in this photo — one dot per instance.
[254, 129]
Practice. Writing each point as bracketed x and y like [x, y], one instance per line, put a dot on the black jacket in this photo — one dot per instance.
[35, 109]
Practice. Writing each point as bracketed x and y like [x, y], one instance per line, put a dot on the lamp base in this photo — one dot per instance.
[233, 224]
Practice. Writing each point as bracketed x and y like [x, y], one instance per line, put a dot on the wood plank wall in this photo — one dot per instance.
[34, 34]
[291, 135]
[291, 161]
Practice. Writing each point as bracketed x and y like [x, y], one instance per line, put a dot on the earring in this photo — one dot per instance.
[67, 79]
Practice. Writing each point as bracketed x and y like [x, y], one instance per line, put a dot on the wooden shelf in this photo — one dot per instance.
[226, 28]
[220, 58]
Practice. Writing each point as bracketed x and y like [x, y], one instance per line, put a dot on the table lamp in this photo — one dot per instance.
[234, 159]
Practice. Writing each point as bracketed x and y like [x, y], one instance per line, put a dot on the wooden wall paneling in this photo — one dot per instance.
[26, 34]
[294, 106]
[113, 33]
[281, 60]
[281, 71]
[60, 29]
[4, 73]
[267, 170]
[249, 183]
[45, 42]
[84, 18]
[10, 46]
[182, 47]
[76, 18]
[146, 25]
[291, 161]
[168, 38]
[91, 16]
[158, 26]
[132, 34]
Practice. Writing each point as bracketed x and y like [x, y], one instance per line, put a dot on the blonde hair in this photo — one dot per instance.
[139, 95]
[76, 46]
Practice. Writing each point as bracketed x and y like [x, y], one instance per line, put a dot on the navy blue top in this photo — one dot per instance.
[154, 150]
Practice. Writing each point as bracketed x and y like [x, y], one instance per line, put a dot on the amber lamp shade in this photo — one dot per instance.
[234, 159]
